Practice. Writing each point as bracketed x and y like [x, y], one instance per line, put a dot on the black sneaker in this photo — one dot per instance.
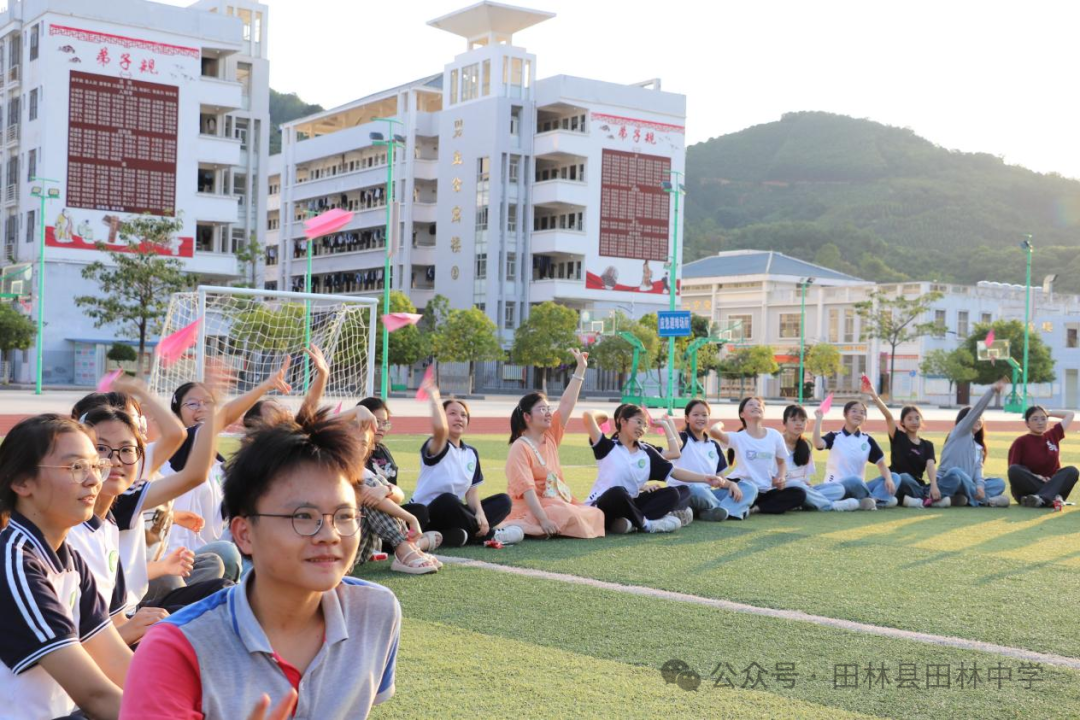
[1032, 501]
[455, 537]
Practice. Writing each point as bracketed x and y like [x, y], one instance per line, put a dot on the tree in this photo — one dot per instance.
[17, 331]
[135, 290]
[615, 354]
[1040, 360]
[956, 365]
[895, 321]
[823, 361]
[247, 256]
[121, 353]
[544, 339]
[469, 336]
[431, 327]
[406, 344]
[748, 362]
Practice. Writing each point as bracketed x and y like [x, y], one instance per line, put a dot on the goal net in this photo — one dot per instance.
[248, 333]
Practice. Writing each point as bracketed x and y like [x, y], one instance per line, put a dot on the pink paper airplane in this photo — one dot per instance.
[659, 429]
[172, 348]
[330, 221]
[396, 321]
[606, 427]
[826, 404]
[989, 338]
[337, 410]
[429, 375]
[105, 384]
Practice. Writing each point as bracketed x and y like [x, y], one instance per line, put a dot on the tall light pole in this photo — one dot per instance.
[676, 188]
[42, 193]
[1028, 248]
[395, 140]
[803, 284]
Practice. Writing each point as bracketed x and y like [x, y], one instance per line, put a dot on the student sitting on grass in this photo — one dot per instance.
[625, 467]
[297, 628]
[701, 454]
[759, 455]
[1035, 473]
[801, 469]
[963, 455]
[449, 481]
[912, 457]
[58, 648]
[849, 451]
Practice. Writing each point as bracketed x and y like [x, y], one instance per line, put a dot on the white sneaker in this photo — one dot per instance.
[891, 502]
[666, 524]
[912, 502]
[942, 503]
[867, 503]
[1002, 501]
[686, 516]
[849, 505]
[509, 535]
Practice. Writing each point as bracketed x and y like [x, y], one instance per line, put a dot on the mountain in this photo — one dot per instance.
[283, 108]
[879, 202]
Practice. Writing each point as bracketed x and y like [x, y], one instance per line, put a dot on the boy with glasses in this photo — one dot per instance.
[290, 494]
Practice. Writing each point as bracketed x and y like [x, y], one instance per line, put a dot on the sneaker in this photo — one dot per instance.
[668, 523]
[755, 510]
[620, 526]
[455, 537]
[686, 516]
[942, 503]
[1059, 503]
[713, 515]
[960, 501]
[998, 501]
[867, 504]
[849, 505]
[509, 535]
[1032, 501]
[912, 502]
[891, 502]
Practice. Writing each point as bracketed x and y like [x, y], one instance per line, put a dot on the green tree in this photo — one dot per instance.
[248, 256]
[134, 292]
[1040, 360]
[956, 365]
[895, 320]
[17, 331]
[283, 108]
[749, 362]
[615, 354]
[545, 338]
[469, 336]
[407, 345]
[823, 361]
[431, 328]
[121, 353]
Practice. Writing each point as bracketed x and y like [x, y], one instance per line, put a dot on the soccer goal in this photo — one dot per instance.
[247, 334]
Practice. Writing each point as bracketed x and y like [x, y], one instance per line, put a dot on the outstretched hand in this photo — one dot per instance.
[318, 360]
[278, 381]
[581, 358]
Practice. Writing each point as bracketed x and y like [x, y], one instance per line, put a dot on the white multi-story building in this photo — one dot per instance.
[512, 190]
[760, 293]
[128, 107]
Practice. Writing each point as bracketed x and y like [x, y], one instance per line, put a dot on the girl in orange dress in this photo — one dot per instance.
[542, 505]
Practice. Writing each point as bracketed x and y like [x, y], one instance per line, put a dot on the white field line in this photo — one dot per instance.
[796, 615]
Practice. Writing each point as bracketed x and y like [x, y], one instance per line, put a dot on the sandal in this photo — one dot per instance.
[434, 540]
[414, 563]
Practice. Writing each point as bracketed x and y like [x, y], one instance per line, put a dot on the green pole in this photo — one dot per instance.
[389, 142]
[1029, 248]
[42, 193]
[676, 188]
[802, 340]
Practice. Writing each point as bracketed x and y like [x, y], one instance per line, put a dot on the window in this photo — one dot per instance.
[849, 325]
[30, 226]
[789, 325]
[481, 266]
[515, 120]
[1072, 337]
[834, 325]
[453, 87]
[13, 111]
[986, 318]
[939, 322]
[515, 167]
[511, 219]
[482, 218]
[745, 331]
[511, 306]
[511, 266]
[483, 169]
[33, 104]
[470, 82]
[31, 165]
[485, 88]
[962, 323]
[35, 33]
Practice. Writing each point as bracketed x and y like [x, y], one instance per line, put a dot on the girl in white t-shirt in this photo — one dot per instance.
[625, 467]
[849, 451]
[801, 470]
[702, 454]
[760, 456]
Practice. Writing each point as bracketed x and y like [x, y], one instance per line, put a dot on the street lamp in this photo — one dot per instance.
[675, 188]
[1028, 248]
[803, 284]
[42, 193]
[378, 138]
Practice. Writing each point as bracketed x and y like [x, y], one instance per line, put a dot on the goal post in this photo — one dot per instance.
[249, 332]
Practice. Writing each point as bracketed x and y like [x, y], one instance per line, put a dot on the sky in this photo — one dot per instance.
[990, 76]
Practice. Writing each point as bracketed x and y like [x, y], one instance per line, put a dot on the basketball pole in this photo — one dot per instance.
[1029, 249]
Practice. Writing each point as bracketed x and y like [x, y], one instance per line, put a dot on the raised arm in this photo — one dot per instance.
[674, 451]
[819, 417]
[440, 428]
[1065, 416]
[890, 422]
[196, 470]
[964, 426]
[570, 394]
[171, 433]
[235, 409]
[593, 420]
[717, 432]
[318, 385]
